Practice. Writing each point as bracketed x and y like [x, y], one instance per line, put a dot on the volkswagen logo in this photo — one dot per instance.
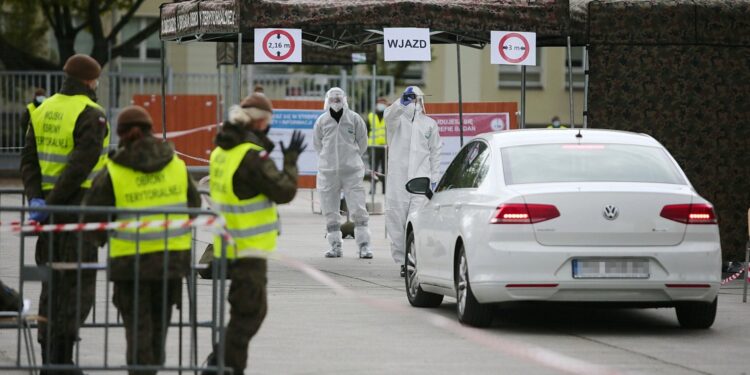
[611, 212]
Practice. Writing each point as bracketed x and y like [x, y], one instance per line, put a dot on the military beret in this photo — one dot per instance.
[82, 67]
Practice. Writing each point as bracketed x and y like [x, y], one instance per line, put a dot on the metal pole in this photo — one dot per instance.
[570, 85]
[163, 93]
[374, 93]
[238, 86]
[586, 87]
[460, 95]
[523, 96]
[745, 273]
[218, 94]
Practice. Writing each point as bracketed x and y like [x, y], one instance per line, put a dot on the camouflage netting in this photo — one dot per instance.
[681, 72]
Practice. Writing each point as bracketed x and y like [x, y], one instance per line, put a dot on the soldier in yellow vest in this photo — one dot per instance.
[66, 145]
[377, 139]
[145, 173]
[39, 96]
[245, 188]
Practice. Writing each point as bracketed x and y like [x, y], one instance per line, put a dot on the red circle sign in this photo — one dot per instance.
[278, 57]
[508, 58]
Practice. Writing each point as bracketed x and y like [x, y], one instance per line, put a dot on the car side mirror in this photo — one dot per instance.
[419, 185]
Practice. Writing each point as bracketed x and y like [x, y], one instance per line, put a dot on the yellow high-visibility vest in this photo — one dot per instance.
[165, 189]
[54, 122]
[31, 107]
[252, 223]
[377, 125]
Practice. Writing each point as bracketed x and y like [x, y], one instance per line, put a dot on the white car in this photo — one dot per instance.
[592, 216]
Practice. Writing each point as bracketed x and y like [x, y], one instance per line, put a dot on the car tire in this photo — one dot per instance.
[414, 293]
[696, 315]
[469, 310]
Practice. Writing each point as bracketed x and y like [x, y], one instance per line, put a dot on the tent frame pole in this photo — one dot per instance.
[570, 85]
[460, 94]
[523, 97]
[586, 87]
[163, 93]
[238, 67]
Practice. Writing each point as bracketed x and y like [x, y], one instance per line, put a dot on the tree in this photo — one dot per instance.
[66, 19]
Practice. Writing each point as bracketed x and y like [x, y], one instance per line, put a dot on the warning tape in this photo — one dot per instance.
[734, 277]
[192, 157]
[180, 133]
[215, 223]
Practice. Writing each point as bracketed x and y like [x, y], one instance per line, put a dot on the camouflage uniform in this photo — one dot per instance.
[154, 306]
[257, 174]
[60, 295]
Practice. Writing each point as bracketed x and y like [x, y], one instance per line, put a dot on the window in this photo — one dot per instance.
[577, 57]
[149, 49]
[510, 75]
[468, 169]
[549, 163]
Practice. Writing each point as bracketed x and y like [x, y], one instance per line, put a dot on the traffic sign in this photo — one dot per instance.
[513, 48]
[278, 45]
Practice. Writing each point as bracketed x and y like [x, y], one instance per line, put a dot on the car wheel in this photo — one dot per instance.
[469, 310]
[696, 315]
[417, 297]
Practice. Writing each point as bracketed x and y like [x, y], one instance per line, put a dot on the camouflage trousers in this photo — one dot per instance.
[63, 301]
[146, 341]
[248, 306]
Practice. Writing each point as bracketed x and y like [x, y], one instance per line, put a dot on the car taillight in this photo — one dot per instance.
[520, 213]
[689, 213]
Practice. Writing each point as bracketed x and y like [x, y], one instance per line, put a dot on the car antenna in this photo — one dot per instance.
[579, 135]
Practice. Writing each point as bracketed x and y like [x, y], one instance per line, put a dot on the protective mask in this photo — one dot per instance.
[40, 98]
[556, 124]
[337, 106]
[380, 107]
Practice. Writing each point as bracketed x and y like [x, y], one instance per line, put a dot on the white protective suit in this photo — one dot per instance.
[340, 146]
[414, 147]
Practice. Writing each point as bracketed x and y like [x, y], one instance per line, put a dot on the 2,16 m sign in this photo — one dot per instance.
[278, 45]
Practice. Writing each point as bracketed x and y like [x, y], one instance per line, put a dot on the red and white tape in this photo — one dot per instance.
[734, 277]
[213, 222]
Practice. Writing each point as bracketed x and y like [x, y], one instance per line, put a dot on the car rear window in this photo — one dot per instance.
[544, 163]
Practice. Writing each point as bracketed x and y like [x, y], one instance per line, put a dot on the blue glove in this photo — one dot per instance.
[36, 215]
[433, 185]
[408, 96]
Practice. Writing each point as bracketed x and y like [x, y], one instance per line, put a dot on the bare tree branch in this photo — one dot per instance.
[107, 6]
[137, 38]
[124, 20]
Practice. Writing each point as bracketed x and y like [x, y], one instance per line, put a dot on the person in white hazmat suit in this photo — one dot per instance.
[413, 151]
[340, 139]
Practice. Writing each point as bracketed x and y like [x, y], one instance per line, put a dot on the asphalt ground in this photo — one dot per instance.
[358, 321]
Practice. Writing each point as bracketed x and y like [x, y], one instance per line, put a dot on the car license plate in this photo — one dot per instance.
[620, 268]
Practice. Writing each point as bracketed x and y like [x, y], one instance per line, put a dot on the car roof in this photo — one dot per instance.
[542, 136]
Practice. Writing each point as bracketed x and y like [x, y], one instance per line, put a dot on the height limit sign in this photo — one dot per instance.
[513, 48]
[278, 45]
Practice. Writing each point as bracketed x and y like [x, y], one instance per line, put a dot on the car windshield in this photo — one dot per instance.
[546, 163]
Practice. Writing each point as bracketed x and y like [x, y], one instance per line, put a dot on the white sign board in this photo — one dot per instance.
[278, 45]
[406, 44]
[513, 48]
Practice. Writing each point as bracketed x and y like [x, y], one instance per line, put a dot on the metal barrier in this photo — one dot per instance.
[116, 90]
[12, 223]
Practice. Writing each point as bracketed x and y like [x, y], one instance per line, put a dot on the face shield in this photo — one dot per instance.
[417, 97]
[335, 99]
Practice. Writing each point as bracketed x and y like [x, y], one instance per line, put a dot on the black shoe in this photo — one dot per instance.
[210, 362]
[403, 270]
